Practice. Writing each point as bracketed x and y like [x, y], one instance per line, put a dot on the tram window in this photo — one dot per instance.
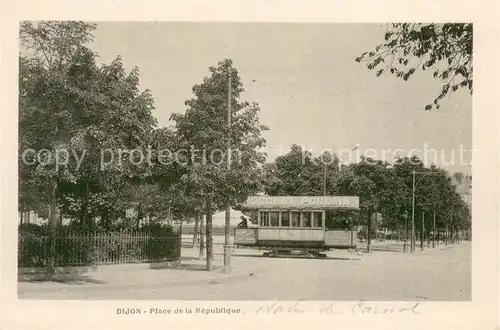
[295, 219]
[264, 219]
[317, 219]
[306, 219]
[285, 219]
[274, 218]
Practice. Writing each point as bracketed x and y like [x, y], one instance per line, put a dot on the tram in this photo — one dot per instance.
[297, 223]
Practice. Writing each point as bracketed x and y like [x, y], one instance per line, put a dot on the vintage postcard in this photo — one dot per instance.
[243, 165]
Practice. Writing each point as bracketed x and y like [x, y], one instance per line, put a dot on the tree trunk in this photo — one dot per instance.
[202, 236]
[196, 224]
[368, 238]
[209, 234]
[59, 224]
[446, 235]
[21, 207]
[105, 220]
[139, 215]
[429, 237]
[52, 242]
[82, 217]
[90, 221]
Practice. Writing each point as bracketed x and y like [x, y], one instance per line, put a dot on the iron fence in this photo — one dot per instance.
[79, 249]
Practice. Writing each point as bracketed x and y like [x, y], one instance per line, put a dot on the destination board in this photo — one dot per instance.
[301, 202]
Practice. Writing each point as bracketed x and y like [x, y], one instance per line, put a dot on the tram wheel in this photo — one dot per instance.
[317, 254]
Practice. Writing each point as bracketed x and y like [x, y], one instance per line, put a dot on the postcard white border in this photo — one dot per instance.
[480, 313]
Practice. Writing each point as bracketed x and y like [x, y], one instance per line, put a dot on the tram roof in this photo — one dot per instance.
[301, 202]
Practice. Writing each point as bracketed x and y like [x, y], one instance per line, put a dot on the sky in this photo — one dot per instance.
[310, 89]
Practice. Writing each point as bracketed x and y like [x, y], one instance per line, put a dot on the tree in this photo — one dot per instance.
[43, 117]
[434, 193]
[203, 131]
[69, 104]
[444, 48]
[298, 173]
[380, 190]
[291, 174]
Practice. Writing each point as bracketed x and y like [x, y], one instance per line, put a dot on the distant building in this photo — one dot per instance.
[463, 186]
[31, 217]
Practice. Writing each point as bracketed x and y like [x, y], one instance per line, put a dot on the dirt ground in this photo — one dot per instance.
[442, 274]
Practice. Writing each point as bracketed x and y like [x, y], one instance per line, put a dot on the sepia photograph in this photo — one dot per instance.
[249, 161]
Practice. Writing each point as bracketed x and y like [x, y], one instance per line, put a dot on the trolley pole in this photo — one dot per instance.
[422, 237]
[227, 238]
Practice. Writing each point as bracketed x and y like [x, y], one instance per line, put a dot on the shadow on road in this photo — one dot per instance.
[293, 257]
[200, 266]
[191, 258]
[70, 279]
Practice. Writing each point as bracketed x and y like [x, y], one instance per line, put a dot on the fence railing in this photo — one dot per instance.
[79, 249]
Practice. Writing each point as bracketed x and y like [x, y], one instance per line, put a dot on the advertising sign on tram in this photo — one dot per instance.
[301, 202]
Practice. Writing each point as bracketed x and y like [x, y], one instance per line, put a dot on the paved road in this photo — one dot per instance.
[439, 275]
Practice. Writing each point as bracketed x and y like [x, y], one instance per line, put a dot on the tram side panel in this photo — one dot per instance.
[280, 237]
[291, 238]
[341, 239]
[245, 236]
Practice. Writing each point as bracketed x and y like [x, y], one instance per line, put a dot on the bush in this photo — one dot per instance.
[31, 251]
[163, 243]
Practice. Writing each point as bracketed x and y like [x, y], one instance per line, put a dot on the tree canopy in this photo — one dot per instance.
[81, 120]
[382, 187]
[204, 127]
[74, 108]
[299, 173]
[444, 49]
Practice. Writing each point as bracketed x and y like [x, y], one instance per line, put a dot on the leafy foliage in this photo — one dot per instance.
[69, 103]
[382, 187]
[299, 173]
[204, 127]
[446, 49]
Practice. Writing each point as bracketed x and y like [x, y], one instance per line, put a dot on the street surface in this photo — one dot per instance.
[443, 274]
